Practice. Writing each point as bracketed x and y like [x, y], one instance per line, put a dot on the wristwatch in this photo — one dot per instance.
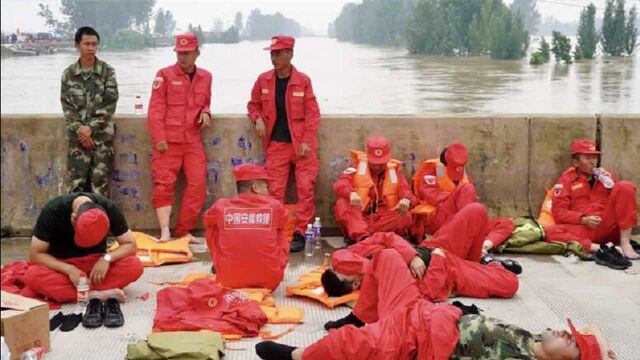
[107, 257]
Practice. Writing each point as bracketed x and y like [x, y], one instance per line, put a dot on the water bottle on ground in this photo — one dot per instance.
[83, 290]
[317, 226]
[603, 177]
[6, 354]
[309, 239]
[137, 109]
[35, 353]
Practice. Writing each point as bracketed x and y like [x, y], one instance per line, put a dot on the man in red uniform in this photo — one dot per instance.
[287, 118]
[178, 111]
[591, 206]
[443, 189]
[246, 234]
[373, 195]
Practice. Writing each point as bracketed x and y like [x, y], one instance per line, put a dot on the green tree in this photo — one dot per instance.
[542, 55]
[237, 22]
[630, 32]
[164, 23]
[588, 37]
[263, 27]
[561, 47]
[509, 38]
[380, 22]
[528, 12]
[613, 28]
[480, 31]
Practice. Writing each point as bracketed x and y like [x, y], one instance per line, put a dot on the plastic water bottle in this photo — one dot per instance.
[317, 226]
[6, 354]
[137, 108]
[83, 290]
[603, 177]
[35, 353]
[309, 239]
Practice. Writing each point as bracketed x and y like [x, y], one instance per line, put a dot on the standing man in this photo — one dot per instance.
[287, 118]
[246, 235]
[89, 93]
[69, 242]
[179, 109]
[591, 206]
[373, 195]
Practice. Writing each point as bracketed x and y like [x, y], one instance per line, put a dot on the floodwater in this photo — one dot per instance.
[354, 79]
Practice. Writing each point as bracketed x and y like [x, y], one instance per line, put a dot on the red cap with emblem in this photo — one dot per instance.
[280, 42]
[378, 150]
[583, 147]
[348, 263]
[456, 157]
[246, 172]
[91, 228]
[186, 42]
[587, 343]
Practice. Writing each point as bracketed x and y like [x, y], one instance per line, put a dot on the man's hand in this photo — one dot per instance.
[304, 149]
[403, 206]
[83, 133]
[99, 271]
[591, 221]
[355, 200]
[88, 144]
[260, 127]
[417, 267]
[74, 274]
[205, 120]
[486, 246]
[439, 252]
[162, 146]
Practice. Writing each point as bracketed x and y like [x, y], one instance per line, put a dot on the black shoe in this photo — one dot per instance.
[112, 315]
[269, 350]
[350, 319]
[467, 309]
[297, 243]
[508, 264]
[609, 256]
[71, 322]
[93, 315]
[56, 321]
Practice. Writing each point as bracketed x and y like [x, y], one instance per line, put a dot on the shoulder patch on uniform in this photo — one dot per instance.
[157, 82]
[429, 179]
[557, 189]
[349, 171]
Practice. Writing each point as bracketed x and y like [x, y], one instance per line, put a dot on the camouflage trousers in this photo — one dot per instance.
[90, 170]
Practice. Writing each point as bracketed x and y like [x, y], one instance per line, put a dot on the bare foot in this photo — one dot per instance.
[628, 252]
[165, 235]
[103, 295]
[195, 239]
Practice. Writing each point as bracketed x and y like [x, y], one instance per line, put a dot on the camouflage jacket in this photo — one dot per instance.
[89, 98]
[490, 339]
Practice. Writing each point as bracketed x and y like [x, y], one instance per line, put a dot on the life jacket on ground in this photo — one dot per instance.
[154, 253]
[443, 181]
[309, 285]
[362, 180]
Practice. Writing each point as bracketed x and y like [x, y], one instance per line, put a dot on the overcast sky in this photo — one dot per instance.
[312, 14]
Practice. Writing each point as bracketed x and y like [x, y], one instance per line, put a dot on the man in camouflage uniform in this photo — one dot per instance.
[89, 93]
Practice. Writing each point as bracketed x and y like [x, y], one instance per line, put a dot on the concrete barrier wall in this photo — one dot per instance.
[512, 158]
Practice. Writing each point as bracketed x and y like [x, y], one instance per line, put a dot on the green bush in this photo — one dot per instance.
[125, 40]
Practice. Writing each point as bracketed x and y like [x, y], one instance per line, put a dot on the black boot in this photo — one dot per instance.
[269, 350]
[349, 319]
[466, 309]
[297, 243]
[113, 316]
[508, 264]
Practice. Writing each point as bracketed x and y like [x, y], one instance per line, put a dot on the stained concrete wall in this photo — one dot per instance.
[512, 158]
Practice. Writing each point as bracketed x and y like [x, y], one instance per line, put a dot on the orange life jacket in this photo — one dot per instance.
[154, 253]
[546, 216]
[362, 180]
[443, 181]
[309, 285]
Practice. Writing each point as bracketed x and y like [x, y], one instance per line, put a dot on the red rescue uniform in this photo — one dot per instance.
[247, 241]
[574, 198]
[174, 112]
[357, 223]
[303, 119]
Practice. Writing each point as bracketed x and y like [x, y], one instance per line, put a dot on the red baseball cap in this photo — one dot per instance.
[378, 150]
[587, 343]
[456, 157]
[186, 42]
[280, 42]
[205, 295]
[91, 228]
[348, 263]
[246, 172]
[583, 146]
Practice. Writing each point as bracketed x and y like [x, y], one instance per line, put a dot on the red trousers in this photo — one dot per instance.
[620, 213]
[57, 286]
[356, 225]
[280, 157]
[164, 172]
[462, 196]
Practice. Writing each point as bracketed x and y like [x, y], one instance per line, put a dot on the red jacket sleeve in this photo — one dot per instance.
[283, 242]
[207, 102]
[384, 240]
[210, 221]
[254, 106]
[431, 193]
[499, 230]
[343, 186]
[404, 190]
[157, 109]
[562, 202]
[311, 114]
